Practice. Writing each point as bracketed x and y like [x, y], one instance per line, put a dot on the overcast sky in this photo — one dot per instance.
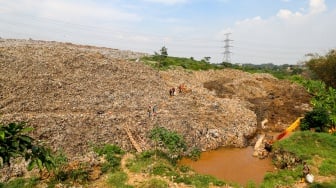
[263, 31]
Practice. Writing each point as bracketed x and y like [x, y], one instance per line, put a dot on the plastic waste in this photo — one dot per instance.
[310, 178]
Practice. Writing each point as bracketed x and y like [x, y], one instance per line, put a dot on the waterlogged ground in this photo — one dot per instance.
[232, 164]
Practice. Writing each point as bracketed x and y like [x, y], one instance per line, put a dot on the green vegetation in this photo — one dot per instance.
[282, 177]
[147, 162]
[323, 67]
[20, 182]
[169, 142]
[154, 183]
[163, 62]
[170, 62]
[278, 71]
[80, 174]
[112, 154]
[118, 180]
[316, 119]
[194, 154]
[308, 146]
[323, 97]
[14, 142]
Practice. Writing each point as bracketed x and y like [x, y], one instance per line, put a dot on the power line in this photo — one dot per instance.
[227, 52]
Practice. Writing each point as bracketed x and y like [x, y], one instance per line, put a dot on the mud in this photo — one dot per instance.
[232, 165]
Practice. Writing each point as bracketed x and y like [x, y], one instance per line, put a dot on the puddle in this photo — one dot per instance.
[232, 165]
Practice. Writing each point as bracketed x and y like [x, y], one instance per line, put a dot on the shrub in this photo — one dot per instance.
[15, 142]
[317, 119]
[169, 142]
[112, 154]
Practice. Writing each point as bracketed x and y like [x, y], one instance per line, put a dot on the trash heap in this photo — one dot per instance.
[75, 96]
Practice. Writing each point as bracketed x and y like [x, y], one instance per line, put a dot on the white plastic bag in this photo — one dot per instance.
[310, 178]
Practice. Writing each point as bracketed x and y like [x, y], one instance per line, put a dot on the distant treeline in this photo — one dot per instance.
[318, 67]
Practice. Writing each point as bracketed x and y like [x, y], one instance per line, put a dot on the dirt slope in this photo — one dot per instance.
[78, 95]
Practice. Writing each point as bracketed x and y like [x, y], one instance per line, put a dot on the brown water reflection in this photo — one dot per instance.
[231, 164]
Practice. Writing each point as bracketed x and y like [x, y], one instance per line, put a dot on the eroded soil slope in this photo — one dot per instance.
[76, 95]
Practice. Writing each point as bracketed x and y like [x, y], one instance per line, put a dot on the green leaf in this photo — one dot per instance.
[26, 130]
[26, 139]
[2, 135]
[39, 164]
[31, 165]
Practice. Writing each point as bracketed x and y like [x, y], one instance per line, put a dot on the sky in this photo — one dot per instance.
[260, 31]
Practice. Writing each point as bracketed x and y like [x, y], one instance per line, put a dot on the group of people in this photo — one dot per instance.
[181, 88]
[172, 91]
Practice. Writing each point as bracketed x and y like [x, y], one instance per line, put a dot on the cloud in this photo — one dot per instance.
[249, 20]
[284, 37]
[167, 2]
[71, 11]
[85, 11]
[287, 14]
[317, 6]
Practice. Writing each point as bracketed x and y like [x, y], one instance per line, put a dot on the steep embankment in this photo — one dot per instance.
[76, 95]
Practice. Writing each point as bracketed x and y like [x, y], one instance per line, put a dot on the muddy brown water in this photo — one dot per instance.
[232, 165]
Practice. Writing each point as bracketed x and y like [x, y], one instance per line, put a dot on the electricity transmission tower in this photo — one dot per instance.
[227, 52]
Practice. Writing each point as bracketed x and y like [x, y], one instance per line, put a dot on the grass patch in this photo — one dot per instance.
[323, 185]
[141, 162]
[307, 146]
[21, 183]
[327, 167]
[118, 180]
[159, 165]
[285, 177]
[112, 154]
[154, 183]
[148, 162]
[199, 181]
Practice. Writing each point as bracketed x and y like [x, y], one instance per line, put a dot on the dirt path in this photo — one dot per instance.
[137, 179]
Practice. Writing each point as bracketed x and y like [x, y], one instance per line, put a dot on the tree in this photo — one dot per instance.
[206, 59]
[164, 52]
[324, 67]
[14, 142]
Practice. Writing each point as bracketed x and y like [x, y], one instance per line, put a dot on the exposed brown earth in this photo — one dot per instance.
[76, 95]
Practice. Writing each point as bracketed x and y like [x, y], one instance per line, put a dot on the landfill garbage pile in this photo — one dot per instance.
[76, 96]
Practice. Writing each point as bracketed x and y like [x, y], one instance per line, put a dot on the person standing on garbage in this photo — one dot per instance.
[149, 111]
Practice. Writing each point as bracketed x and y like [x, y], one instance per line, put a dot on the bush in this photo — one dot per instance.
[169, 142]
[316, 119]
[15, 142]
[112, 154]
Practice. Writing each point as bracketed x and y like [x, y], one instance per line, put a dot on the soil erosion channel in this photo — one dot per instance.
[232, 164]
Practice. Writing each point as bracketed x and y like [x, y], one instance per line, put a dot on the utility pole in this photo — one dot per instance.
[227, 52]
